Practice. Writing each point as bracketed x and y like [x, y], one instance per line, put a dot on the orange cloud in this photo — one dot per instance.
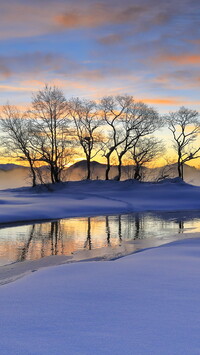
[98, 14]
[26, 20]
[167, 101]
[5, 72]
[180, 59]
[39, 18]
[10, 88]
[33, 83]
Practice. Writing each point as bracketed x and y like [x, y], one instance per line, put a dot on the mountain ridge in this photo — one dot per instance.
[13, 175]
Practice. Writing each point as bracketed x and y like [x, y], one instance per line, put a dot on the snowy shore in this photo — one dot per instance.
[146, 303]
[90, 198]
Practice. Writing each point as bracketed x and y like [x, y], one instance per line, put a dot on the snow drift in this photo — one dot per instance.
[90, 198]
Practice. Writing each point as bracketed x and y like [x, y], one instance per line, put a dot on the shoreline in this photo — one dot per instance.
[19, 223]
[133, 303]
[96, 198]
[10, 273]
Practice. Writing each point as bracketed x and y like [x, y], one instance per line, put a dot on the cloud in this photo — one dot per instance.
[142, 15]
[111, 39]
[163, 101]
[33, 66]
[35, 63]
[139, 47]
[5, 72]
[178, 80]
[24, 20]
[179, 59]
[28, 19]
[9, 88]
[99, 14]
[19, 18]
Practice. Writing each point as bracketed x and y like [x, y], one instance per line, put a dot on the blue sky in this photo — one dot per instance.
[149, 49]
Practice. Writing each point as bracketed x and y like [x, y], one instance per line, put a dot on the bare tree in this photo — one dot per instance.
[17, 128]
[140, 122]
[185, 127]
[143, 152]
[86, 119]
[166, 171]
[113, 111]
[50, 129]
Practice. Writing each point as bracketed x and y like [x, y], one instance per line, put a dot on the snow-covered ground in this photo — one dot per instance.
[146, 303]
[89, 198]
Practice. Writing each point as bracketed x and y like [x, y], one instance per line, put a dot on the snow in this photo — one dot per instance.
[146, 303]
[16, 270]
[90, 198]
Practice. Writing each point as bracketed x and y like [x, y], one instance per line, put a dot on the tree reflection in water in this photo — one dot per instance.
[181, 226]
[108, 231]
[137, 226]
[70, 235]
[25, 249]
[120, 229]
[88, 242]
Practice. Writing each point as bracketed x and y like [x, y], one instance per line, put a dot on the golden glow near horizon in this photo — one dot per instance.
[168, 158]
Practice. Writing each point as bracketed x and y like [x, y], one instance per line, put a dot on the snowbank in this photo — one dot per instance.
[89, 198]
[146, 303]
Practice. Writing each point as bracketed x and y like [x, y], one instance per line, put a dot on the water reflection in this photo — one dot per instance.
[65, 237]
[23, 253]
[88, 242]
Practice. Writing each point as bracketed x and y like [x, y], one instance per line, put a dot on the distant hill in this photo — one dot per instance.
[78, 171]
[13, 175]
[7, 167]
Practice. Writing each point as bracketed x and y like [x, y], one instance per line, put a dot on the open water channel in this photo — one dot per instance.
[130, 232]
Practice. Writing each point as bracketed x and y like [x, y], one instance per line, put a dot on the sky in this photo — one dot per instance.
[149, 49]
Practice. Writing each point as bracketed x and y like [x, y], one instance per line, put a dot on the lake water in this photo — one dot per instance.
[69, 236]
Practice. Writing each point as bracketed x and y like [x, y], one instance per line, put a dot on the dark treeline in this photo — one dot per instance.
[54, 129]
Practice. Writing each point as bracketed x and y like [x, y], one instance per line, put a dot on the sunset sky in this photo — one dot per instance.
[149, 49]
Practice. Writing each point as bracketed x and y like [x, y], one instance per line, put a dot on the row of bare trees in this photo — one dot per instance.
[52, 129]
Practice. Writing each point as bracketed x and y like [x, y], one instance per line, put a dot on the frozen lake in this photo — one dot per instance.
[69, 236]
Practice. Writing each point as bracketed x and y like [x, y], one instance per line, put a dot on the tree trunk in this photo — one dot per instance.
[119, 168]
[32, 173]
[108, 167]
[137, 175]
[88, 168]
[180, 170]
[52, 175]
[180, 164]
[33, 177]
[56, 174]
